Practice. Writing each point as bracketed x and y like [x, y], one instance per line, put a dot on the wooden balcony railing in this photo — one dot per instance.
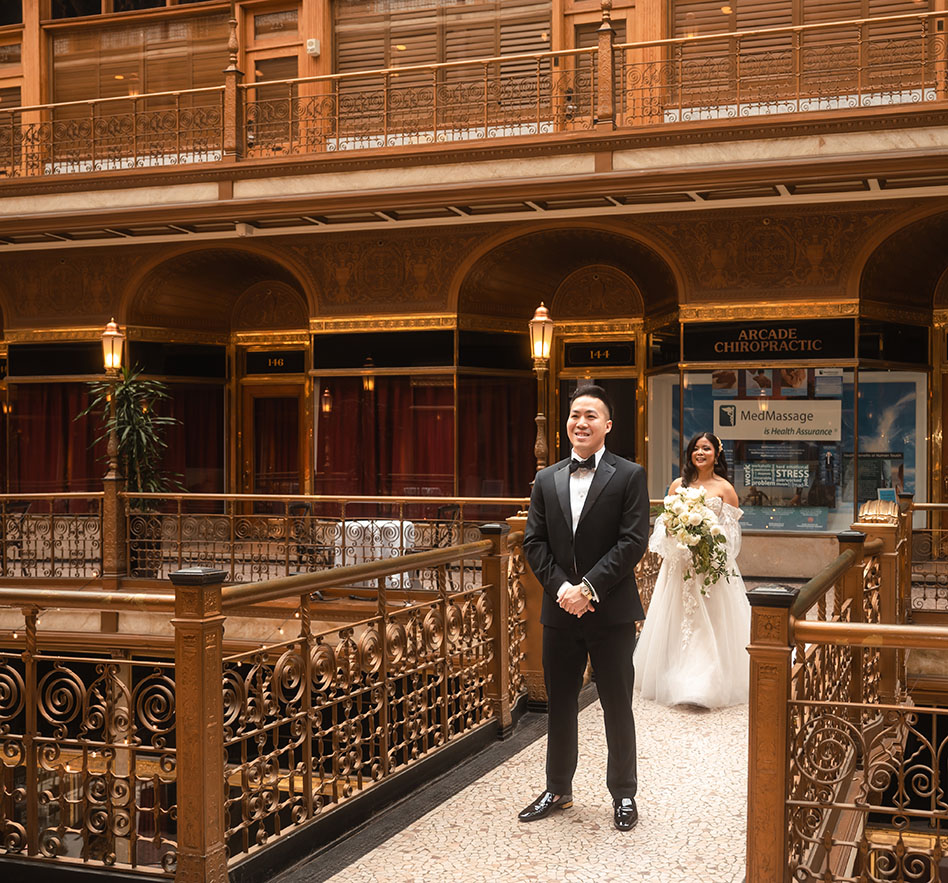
[186, 767]
[838, 66]
[846, 774]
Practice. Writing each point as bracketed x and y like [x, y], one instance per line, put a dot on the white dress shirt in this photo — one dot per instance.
[579, 484]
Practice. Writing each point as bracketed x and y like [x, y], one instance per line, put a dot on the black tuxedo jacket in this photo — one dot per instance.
[611, 537]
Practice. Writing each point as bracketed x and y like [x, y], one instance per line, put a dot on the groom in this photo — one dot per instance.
[586, 531]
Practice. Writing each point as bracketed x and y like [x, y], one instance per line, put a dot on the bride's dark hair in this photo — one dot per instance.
[689, 471]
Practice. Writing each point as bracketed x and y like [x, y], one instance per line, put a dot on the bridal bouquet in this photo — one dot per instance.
[688, 520]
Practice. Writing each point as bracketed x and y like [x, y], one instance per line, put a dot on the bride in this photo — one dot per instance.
[692, 649]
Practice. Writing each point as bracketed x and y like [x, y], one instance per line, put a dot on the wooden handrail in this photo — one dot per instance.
[861, 634]
[46, 598]
[820, 584]
[304, 583]
[329, 498]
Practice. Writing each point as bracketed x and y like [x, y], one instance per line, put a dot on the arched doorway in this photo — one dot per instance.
[227, 329]
[600, 286]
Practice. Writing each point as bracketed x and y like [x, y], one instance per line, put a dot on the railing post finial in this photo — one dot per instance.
[606, 6]
[233, 46]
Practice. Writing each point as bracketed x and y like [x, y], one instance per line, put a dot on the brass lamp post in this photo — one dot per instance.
[112, 344]
[541, 340]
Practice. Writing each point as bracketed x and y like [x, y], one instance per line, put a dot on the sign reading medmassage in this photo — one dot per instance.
[770, 420]
[806, 339]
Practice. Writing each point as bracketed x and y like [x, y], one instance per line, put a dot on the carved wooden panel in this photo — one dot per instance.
[401, 271]
[595, 291]
[267, 306]
[802, 251]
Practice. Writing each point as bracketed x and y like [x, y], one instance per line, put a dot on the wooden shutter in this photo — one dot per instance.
[139, 58]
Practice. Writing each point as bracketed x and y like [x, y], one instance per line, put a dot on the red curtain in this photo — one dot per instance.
[50, 450]
[496, 432]
[195, 452]
[396, 438]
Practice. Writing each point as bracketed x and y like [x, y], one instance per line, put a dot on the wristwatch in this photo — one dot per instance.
[586, 592]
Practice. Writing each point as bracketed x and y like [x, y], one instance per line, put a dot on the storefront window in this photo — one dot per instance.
[892, 453]
[790, 437]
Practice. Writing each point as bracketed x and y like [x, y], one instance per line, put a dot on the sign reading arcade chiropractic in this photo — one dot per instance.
[806, 340]
[774, 420]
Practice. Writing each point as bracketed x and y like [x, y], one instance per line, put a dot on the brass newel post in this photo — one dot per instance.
[768, 742]
[852, 588]
[494, 576]
[198, 656]
[234, 141]
[531, 666]
[889, 607]
[606, 71]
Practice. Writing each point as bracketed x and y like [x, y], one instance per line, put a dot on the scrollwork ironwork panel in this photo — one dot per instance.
[88, 751]
[43, 538]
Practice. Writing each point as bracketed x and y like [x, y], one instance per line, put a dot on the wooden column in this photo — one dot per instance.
[198, 656]
[494, 575]
[768, 749]
[889, 607]
[851, 587]
[606, 71]
[233, 109]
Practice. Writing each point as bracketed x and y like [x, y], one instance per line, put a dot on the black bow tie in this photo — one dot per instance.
[589, 463]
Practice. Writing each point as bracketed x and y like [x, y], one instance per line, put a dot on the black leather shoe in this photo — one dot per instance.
[544, 805]
[626, 815]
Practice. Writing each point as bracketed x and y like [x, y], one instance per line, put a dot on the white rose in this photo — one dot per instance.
[694, 519]
[692, 540]
[679, 508]
[716, 531]
[669, 501]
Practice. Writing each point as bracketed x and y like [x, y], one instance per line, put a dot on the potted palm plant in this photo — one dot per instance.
[139, 433]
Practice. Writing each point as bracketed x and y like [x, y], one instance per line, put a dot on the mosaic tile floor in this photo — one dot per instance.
[692, 796]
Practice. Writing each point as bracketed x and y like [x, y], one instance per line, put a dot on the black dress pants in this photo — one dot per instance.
[564, 662]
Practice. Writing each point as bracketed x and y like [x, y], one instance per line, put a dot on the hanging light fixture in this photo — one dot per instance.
[112, 344]
[325, 401]
[368, 380]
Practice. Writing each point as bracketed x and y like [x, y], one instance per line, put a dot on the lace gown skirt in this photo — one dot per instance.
[693, 647]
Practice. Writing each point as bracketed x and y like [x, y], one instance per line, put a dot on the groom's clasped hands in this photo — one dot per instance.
[573, 601]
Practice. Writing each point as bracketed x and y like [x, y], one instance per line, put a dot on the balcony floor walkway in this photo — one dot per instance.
[692, 799]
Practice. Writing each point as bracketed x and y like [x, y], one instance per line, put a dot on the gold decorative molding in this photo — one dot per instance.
[767, 311]
[887, 313]
[172, 335]
[383, 323]
[939, 317]
[592, 329]
[492, 323]
[653, 323]
[38, 335]
[271, 338]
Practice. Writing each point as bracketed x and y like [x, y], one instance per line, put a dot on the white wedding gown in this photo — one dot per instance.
[692, 649]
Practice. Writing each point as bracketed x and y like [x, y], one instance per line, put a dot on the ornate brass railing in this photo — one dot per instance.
[256, 537]
[840, 65]
[830, 66]
[930, 559]
[425, 104]
[846, 773]
[51, 536]
[130, 761]
[113, 134]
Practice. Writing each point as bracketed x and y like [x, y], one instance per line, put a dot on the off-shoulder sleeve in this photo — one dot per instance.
[661, 543]
[730, 522]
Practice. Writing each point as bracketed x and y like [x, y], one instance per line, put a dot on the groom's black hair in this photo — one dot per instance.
[595, 392]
